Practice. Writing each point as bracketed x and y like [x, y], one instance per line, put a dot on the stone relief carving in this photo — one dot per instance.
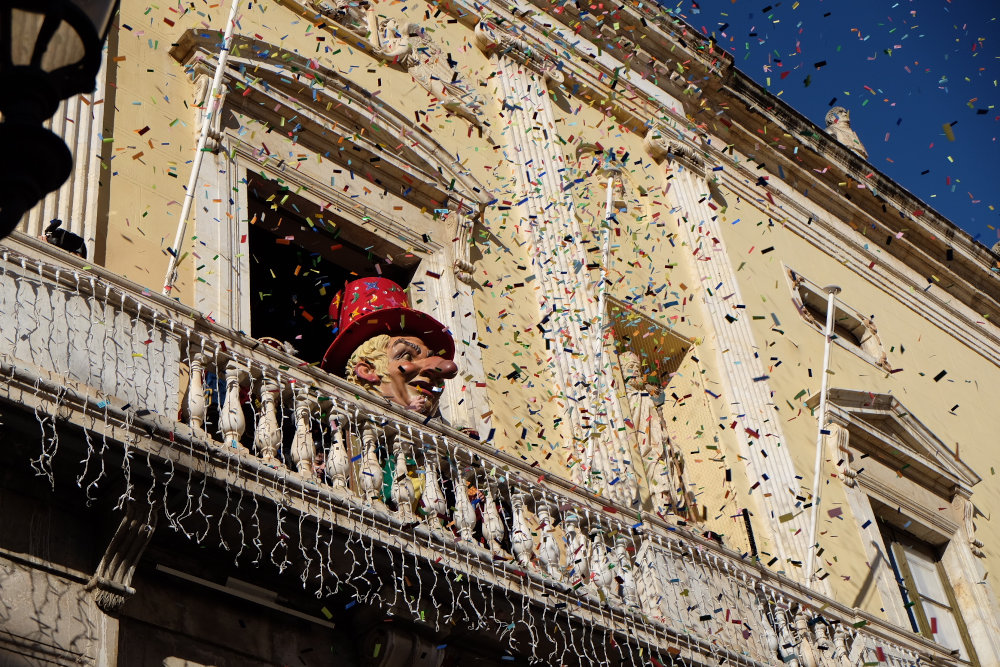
[462, 224]
[410, 46]
[837, 438]
[206, 110]
[350, 13]
[660, 146]
[492, 38]
[838, 125]
[969, 515]
[663, 462]
[872, 344]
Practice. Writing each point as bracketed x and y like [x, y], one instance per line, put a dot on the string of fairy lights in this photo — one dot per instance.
[272, 518]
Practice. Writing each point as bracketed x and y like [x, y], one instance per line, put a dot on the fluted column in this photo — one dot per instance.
[742, 372]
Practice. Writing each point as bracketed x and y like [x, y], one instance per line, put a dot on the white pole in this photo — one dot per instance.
[831, 298]
[599, 338]
[211, 109]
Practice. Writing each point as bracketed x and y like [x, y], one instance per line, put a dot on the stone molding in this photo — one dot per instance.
[111, 583]
[745, 381]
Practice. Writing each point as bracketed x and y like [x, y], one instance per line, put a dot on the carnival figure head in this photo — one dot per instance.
[384, 345]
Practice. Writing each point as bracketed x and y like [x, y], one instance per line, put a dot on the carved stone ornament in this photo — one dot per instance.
[209, 110]
[663, 463]
[656, 142]
[461, 226]
[660, 146]
[975, 545]
[837, 438]
[838, 125]
[492, 38]
[350, 13]
[410, 46]
[111, 583]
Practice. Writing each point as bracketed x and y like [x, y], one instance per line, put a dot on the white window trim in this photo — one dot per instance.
[919, 454]
[795, 279]
[220, 221]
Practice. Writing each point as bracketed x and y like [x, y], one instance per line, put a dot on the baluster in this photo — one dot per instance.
[267, 437]
[807, 654]
[435, 504]
[577, 548]
[371, 471]
[787, 653]
[548, 550]
[600, 565]
[303, 447]
[842, 653]
[197, 405]
[624, 562]
[647, 579]
[822, 639]
[231, 421]
[465, 513]
[401, 491]
[338, 463]
[765, 623]
[520, 535]
[493, 528]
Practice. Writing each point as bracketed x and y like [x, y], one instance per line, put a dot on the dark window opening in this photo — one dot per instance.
[845, 326]
[300, 257]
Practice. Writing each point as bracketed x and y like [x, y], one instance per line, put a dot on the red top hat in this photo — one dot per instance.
[374, 306]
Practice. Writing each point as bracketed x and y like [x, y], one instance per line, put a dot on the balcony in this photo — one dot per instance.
[291, 465]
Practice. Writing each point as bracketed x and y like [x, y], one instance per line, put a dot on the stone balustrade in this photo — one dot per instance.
[582, 576]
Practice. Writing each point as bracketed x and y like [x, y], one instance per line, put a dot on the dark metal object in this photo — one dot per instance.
[49, 51]
[749, 527]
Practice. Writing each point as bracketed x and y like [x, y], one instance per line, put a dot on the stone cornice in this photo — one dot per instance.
[855, 252]
[416, 166]
[927, 234]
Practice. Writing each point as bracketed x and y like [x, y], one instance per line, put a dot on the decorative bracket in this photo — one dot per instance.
[112, 581]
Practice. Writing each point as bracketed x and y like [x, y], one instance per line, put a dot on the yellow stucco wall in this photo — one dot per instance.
[919, 348]
[154, 137]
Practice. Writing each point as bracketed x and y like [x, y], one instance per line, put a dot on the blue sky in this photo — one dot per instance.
[904, 68]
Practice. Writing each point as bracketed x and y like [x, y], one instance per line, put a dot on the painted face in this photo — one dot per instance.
[416, 375]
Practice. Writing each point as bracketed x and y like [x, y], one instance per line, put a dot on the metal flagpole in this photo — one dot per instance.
[213, 108]
[602, 290]
[831, 298]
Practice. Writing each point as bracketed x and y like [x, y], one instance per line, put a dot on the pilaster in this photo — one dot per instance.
[770, 468]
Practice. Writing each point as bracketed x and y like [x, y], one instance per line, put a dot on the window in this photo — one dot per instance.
[926, 591]
[300, 256]
[912, 498]
[852, 330]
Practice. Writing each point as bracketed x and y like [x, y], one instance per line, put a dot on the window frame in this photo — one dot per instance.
[853, 331]
[440, 190]
[897, 542]
[895, 469]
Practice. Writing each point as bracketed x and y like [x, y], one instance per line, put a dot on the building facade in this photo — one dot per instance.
[630, 243]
